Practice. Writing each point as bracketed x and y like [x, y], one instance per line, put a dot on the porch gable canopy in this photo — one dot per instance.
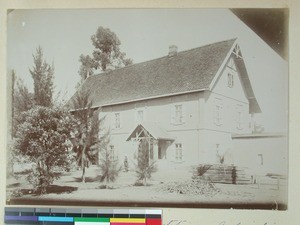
[152, 130]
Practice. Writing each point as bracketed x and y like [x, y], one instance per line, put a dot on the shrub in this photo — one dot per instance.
[108, 165]
[201, 170]
[43, 140]
[144, 168]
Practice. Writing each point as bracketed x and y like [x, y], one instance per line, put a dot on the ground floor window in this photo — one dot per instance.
[178, 153]
[112, 155]
[218, 113]
[260, 159]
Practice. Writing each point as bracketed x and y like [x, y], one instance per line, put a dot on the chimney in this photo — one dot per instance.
[172, 50]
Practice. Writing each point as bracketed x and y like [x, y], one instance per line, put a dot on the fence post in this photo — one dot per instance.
[233, 175]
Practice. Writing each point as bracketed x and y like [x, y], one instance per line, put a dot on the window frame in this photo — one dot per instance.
[218, 112]
[178, 152]
[239, 117]
[112, 155]
[117, 121]
[261, 159]
[230, 80]
[177, 114]
[139, 118]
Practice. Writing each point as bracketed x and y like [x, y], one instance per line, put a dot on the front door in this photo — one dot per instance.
[159, 152]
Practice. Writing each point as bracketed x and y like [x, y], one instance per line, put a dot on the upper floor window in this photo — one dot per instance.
[239, 120]
[218, 114]
[178, 152]
[177, 114]
[117, 120]
[230, 80]
[239, 115]
[139, 116]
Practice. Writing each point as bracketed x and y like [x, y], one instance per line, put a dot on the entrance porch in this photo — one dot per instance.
[154, 140]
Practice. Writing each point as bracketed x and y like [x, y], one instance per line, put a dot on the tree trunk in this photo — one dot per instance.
[83, 174]
[83, 164]
[41, 186]
[106, 182]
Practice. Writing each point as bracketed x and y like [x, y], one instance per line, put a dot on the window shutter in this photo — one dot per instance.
[181, 152]
[172, 114]
[113, 118]
[183, 108]
[120, 120]
[221, 113]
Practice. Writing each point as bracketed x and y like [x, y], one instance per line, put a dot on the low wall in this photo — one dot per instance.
[261, 153]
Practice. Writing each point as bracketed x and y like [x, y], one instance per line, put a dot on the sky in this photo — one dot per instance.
[145, 34]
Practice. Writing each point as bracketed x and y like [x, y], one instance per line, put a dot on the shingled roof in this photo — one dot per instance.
[187, 71]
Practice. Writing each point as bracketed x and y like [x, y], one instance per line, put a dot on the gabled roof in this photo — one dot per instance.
[153, 129]
[187, 71]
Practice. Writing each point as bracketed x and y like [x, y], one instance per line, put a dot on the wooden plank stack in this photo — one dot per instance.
[227, 174]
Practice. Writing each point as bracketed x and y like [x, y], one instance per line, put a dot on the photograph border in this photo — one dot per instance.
[194, 214]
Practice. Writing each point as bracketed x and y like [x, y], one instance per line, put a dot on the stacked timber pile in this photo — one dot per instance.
[226, 174]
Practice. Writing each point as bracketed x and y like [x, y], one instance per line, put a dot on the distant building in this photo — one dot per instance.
[187, 105]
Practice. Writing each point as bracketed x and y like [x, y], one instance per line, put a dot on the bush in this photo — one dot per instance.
[108, 165]
[43, 140]
[144, 168]
[201, 170]
[138, 183]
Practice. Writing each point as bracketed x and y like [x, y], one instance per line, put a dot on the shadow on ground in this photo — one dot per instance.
[52, 189]
[87, 179]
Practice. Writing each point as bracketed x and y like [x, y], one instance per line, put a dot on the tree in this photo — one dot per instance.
[43, 75]
[108, 165]
[87, 66]
[44, 140]
[86, 140]
[106, 55]
[107, 50]
[144, 168]
[23, 100]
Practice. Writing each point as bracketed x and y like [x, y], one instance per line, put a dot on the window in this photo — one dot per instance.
[260, 159]
[178, 114]
[239, 116]
[218, 112]
[117, 120]
[111, 155]
[178, 153]
[140, 116]
[230, 80]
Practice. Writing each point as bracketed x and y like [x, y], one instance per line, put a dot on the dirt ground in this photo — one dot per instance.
[69, 186]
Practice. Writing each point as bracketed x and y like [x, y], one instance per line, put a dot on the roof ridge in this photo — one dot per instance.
[166, 56]
[207, 45]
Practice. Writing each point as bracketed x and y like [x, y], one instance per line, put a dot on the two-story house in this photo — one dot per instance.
[186, 105]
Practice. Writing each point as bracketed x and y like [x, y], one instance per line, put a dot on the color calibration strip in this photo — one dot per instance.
[79, 216]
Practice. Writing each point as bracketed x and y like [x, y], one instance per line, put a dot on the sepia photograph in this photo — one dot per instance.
[148, 107]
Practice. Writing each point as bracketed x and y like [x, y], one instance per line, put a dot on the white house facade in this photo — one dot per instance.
[187, 105]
